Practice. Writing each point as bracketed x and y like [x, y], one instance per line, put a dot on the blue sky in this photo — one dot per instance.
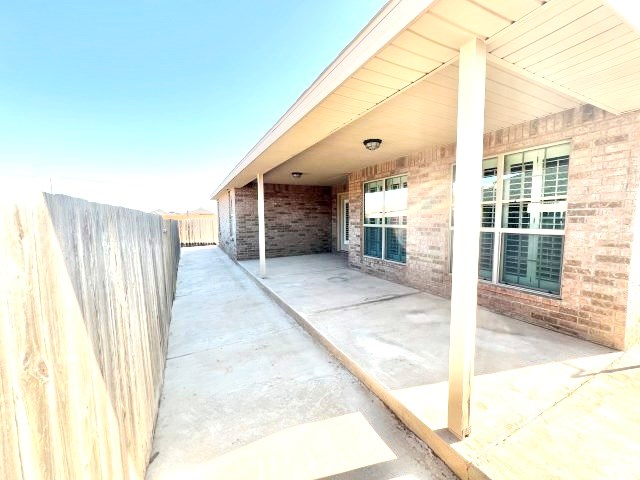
[148, 104]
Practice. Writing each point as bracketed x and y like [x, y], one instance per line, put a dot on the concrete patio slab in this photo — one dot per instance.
[396, 341]
[339, 286]
[593, 433]
[248, 394]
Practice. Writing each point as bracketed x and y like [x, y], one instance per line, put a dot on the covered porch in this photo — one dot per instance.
[539, 403]
[470, 84]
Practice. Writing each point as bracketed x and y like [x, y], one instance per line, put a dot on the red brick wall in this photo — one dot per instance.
[603, 188]
[246, 210]
[297, 220]
[429, 203]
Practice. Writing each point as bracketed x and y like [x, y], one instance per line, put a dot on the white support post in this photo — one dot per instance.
[261, 230]
[464, 288]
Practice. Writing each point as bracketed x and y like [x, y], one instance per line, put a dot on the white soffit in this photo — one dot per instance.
[578, 49]
[422, 115]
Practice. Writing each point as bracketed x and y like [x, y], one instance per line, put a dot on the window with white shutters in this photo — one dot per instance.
[535, 203]
[524, 204]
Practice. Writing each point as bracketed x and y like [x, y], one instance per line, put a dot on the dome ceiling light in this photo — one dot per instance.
[372, 143]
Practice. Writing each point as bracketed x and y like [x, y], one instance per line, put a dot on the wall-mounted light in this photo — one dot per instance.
[372, 143]
[296, 174]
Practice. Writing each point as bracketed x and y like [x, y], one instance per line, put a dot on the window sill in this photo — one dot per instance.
[385, 260]
[552, 296]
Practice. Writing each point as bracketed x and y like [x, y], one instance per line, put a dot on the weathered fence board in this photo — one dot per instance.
[85, 303]
[196, 229]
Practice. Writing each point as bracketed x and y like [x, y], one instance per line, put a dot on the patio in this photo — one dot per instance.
[533, 387]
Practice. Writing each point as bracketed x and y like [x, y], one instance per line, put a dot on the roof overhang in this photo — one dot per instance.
[398, 80]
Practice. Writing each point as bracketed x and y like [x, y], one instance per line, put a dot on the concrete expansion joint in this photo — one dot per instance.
[550, 408]
[367, 302]
[187, 354]
[223, 345]
[308, 272]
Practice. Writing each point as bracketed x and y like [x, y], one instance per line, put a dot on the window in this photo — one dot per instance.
[488, 218]
[534, 205]
[385, 219]
[524, 204]
[487, 234]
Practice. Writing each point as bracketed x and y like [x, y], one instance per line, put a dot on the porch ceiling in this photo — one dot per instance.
[422, 115]
[398, 81]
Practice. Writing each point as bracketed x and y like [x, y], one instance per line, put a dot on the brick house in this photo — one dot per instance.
[532, 110]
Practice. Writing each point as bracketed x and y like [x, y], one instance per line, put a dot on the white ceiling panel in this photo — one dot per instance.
[575, 33]
[420, 45]
[603, 43]
[423, 115]
[510, 9]
[582, 46]
[471, 16]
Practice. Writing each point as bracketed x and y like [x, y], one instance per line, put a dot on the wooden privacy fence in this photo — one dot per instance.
[196, 229]
[85, 303]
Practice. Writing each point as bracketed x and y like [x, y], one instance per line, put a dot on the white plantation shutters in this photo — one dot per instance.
[524, 204]
[535, 196]
[488, 219]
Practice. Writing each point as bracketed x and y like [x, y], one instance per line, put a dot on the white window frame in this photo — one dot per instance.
[382, 225]
[498, 230]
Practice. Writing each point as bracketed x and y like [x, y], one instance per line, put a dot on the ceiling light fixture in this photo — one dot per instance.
[372, 143]
[296, 174]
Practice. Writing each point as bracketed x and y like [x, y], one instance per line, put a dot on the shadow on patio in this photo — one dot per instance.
[395, 339]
